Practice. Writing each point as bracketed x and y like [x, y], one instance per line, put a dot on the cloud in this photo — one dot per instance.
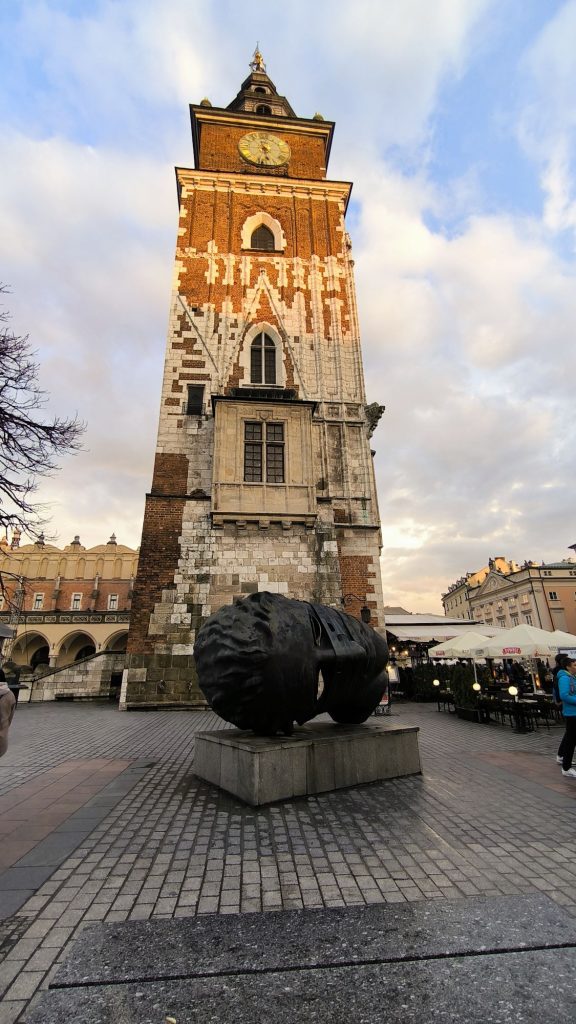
[547, 120]
[468, 342]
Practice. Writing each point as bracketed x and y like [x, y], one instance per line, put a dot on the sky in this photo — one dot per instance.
[456, 122]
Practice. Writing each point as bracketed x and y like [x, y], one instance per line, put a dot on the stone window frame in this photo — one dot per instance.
[256, 220]
[263, 359]
[38, 602]
[112, 598]
[76, 602]
[245, 357]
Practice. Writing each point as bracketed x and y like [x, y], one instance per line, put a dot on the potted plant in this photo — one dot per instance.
[461, 682]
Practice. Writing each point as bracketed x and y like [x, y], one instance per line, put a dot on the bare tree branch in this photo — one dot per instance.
[29, 445]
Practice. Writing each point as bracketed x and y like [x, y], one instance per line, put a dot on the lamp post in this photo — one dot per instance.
[365, 613]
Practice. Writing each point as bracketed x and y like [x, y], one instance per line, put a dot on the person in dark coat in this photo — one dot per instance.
[7, 705]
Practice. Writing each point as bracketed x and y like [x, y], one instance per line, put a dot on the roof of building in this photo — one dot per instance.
[434, 627]
[567, 563]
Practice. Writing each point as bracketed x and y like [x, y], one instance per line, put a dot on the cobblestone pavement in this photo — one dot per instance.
[490, 815]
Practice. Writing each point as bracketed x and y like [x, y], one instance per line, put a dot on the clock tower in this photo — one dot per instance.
[263, 476]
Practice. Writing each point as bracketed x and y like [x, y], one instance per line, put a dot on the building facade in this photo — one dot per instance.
[505, 594]
[263, 476]
[456, 600]
[65, 604]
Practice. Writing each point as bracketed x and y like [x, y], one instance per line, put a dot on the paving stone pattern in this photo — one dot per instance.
[491, 816]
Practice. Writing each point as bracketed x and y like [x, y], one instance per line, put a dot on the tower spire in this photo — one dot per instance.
[257, 62]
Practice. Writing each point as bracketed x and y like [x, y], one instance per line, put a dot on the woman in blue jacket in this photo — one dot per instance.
[566, 680]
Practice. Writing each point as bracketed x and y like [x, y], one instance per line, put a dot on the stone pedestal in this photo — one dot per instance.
[318, 758]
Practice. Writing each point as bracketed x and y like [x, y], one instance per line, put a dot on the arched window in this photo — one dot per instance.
[263, 109]
[262, 360]
[250, 237]
[260, 88]
[262, 238]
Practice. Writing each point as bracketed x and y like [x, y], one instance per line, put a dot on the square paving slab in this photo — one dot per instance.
[486, 960]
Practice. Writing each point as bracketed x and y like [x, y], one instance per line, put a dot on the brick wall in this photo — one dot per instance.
[219, 151]
[158, 562]
[170, 474]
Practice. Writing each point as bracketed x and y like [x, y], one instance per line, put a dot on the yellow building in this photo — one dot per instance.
[504, 594]
[66, 604]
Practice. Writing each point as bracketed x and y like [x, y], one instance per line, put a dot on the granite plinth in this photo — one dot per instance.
[319, 757]
[514, 965]
[212, 944]
[510, 988]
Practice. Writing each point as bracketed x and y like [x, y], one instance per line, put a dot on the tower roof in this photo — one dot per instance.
[258, 94]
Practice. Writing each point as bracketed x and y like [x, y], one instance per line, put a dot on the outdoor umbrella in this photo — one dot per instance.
[563, 639]
[519, 642]
[459, 646]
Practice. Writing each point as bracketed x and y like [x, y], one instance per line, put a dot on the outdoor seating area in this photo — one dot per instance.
[524, 714]
[523, 654]
[528, 713]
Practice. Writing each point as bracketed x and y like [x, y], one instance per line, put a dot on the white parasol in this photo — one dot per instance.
[459, 646]
[521, 641]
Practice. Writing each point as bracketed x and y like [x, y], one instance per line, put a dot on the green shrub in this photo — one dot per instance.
[461, 680]
[423, 688]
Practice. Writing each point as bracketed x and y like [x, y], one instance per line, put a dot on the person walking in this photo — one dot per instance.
[7, 705]
[559, 660]
[566, 680]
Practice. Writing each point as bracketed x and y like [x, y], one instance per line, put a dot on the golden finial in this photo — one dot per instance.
[257, 62]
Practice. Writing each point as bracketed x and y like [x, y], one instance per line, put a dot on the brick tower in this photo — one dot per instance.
[263, 478]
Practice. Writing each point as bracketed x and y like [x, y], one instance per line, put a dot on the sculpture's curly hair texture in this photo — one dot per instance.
[231, 651]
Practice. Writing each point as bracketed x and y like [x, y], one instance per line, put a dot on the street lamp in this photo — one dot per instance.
[365, 613]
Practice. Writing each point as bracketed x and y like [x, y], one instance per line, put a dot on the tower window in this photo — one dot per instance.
[260, 88]
[263, 360]
[262, 108]
[264, 453]
[262, 238]
[195, 401]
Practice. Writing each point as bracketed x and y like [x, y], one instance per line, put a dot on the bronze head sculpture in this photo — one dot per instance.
[259, 663]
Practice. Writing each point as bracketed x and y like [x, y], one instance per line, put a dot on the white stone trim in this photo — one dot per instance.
[253, 222]
[244, 358]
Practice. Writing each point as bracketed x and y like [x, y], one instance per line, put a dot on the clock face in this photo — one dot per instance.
[264, 149]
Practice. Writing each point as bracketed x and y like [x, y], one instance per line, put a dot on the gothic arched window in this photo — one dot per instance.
[262, 238]
[262, 360]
